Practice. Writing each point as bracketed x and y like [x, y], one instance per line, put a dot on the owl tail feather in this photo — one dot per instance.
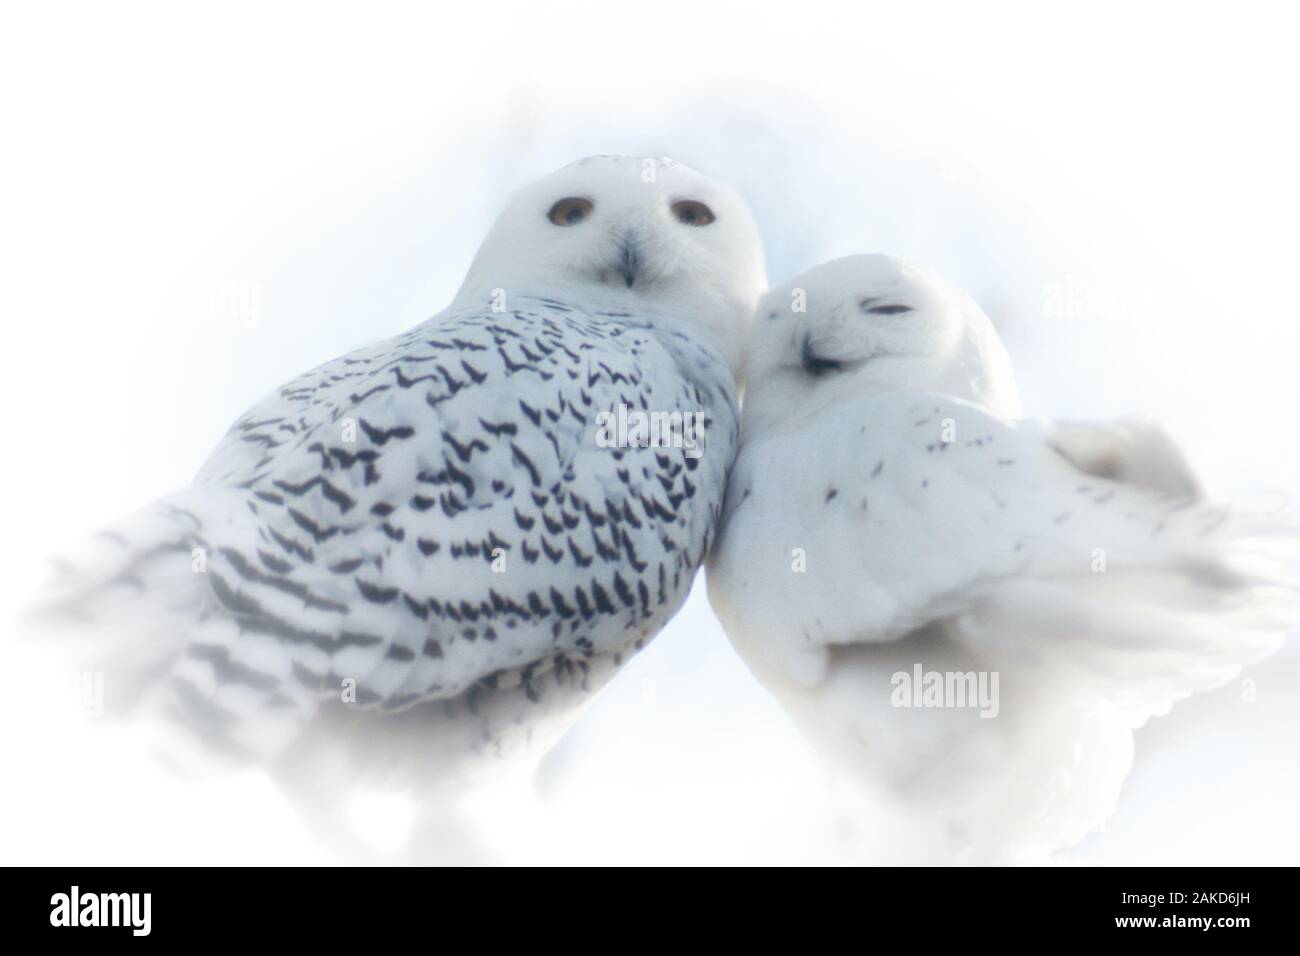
[136, 606]
[1146, 636]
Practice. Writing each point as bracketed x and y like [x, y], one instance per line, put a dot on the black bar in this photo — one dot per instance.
[375, 905]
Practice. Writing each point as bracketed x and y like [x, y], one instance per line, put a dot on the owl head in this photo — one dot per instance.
[648, 237]
[875, 323]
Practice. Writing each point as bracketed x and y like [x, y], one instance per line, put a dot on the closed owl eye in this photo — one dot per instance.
[570, 211]
[890, 309]
[692, 213]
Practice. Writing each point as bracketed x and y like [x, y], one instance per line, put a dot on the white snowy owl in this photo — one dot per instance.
[897, 538]
[427, 539]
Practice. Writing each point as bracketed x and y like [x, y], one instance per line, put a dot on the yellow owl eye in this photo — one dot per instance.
[570, 211]
[692, 213]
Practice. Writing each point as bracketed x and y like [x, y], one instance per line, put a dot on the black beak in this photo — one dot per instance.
[629, 260]
[813, 364]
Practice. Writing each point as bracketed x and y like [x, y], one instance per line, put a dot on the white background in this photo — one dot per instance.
[197, 202]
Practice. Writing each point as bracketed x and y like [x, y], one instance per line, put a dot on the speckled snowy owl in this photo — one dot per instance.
[966, 609]
[439, 528]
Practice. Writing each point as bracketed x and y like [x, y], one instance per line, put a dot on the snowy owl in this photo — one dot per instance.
[456, 535]
[967, 610]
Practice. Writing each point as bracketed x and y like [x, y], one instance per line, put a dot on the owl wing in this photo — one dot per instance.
[912, 510]
[1131, 451]
[429, 518]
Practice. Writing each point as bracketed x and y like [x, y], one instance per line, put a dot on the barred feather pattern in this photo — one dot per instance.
[428, 525]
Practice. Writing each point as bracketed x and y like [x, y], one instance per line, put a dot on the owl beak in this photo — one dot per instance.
[813, 363]
[629, 259]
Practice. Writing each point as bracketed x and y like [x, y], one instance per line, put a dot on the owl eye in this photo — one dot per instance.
[570, 211]
[692, 213]
[868, 307]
